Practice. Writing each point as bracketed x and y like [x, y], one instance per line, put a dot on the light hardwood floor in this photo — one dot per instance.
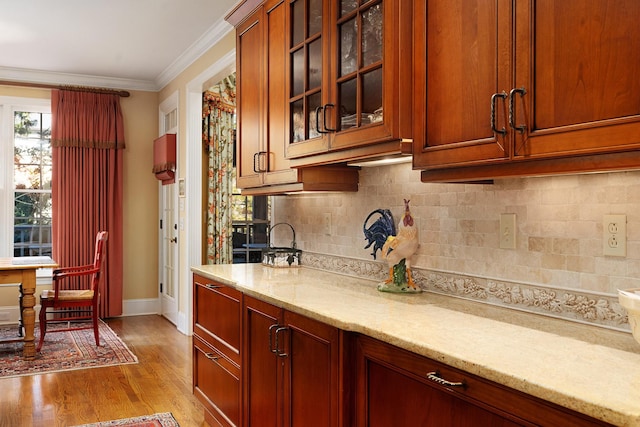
[159, 382]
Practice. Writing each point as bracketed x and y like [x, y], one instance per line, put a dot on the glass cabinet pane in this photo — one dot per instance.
[347, 6]
[348, 47]
[297, 22]
[372, 97]
[348, 104]
[315, 101]
[297, 121]
[297, 72]
[315, 17]
[372, 35]
[315, 64]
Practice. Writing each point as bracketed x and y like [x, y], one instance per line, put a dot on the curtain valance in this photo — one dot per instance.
[86, 120]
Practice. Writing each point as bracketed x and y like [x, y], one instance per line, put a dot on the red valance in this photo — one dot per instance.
[164, 158]
[86, 120]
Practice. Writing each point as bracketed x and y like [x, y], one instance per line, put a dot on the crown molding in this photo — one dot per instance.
[214, 34]
[34, 76]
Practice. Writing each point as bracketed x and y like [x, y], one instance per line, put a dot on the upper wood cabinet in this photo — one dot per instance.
[261, 165]
[349, 79]
[524, 87]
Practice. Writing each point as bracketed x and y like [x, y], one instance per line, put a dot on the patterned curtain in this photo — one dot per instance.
[219, 124]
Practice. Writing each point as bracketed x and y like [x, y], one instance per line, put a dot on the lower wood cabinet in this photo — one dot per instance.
[291, 368]
[256, 364]
[398, 388]
[216, 383]
[217, 337]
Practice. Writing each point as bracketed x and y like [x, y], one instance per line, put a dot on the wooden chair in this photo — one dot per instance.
[73, 300]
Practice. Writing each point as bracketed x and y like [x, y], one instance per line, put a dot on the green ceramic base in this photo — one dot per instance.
[403, 288]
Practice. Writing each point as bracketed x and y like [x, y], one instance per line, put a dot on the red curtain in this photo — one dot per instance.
[87, 137]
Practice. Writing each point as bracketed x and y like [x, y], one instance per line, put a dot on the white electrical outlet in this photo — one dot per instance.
[507, 231]
[326, 223]
[614, 235]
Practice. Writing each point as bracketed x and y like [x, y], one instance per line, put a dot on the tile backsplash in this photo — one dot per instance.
[559, 228]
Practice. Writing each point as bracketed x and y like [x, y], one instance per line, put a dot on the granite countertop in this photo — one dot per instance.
[589, 369]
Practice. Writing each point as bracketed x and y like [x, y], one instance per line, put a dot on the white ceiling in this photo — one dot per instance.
[126, 44]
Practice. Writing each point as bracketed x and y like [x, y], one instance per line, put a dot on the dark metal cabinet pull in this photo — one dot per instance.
[257, 162]
[502, 95]
[318, 109]
[512, 120]
[279, 352]
[324, 117]
[271, 349]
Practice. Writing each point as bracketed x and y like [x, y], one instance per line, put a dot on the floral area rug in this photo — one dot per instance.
[164, 419]
[63, 351]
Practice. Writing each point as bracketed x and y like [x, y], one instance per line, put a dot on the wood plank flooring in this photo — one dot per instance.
[159, 382]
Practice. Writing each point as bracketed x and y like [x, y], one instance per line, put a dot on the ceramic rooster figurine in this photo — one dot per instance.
[397, 251]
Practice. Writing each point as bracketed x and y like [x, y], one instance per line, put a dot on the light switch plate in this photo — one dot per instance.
[507, 231]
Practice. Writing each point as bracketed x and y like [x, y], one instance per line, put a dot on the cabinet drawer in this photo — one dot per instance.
[480, 398]
[216, 383]
[217, 316]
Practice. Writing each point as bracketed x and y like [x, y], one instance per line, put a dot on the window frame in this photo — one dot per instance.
[8, 106]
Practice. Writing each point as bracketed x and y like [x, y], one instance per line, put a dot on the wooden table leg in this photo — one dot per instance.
[28, 313]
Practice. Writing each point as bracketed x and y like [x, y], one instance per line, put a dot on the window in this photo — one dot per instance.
[25, 184]
[250, 216]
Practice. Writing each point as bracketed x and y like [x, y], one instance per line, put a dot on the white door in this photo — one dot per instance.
[169, 254]
[168, 265]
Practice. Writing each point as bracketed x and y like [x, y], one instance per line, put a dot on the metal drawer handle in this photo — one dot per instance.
[212, 356]
[318, 109]
[435, 376]
[279, 352]
[324, 117]
[259, 165]
[210, 286]
[502, 95]
[512, 120]
[271, 349]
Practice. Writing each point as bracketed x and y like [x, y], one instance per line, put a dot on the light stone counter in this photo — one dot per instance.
[585, 368]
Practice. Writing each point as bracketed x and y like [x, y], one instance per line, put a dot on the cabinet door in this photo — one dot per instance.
[308, 63]
[462, 58]
[311, 373]
[278, 170]
[350, 84]
[262, 367]
[371, 73]
[251, 159]
[579, 64]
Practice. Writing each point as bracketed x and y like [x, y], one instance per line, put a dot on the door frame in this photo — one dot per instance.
[194, 219]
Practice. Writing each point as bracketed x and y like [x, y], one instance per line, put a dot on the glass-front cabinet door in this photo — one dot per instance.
[350, 63]
[308, 58]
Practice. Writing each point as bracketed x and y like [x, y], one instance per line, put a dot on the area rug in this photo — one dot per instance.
[164, 419]
[63, 351]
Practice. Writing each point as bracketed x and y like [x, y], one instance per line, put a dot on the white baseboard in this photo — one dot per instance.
[139, 307]
[10, 315]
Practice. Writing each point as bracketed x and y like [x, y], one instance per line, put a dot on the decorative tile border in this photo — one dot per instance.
[571, 304]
